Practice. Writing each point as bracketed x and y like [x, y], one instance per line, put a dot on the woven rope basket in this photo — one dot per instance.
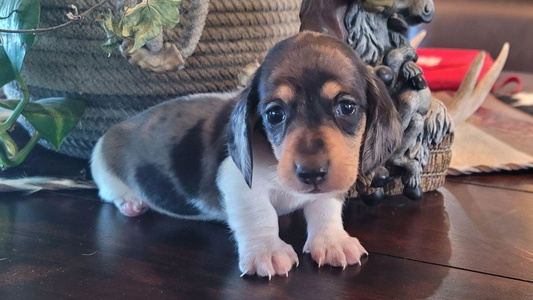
[434, 172]
[216, 38]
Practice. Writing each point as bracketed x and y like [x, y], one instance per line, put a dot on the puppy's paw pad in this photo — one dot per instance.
[268, 259]
[132, 207]
[336, 249]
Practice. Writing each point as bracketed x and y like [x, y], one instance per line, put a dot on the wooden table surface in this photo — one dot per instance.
[472, 239]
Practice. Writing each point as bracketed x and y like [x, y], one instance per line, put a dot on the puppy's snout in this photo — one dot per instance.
[312, 175]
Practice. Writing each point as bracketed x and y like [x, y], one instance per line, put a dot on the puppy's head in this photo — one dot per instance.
[320, 109]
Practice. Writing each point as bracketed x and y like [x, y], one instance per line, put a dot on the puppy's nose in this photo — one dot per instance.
[309, 175]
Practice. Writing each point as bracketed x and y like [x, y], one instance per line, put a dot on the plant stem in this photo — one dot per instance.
[8, 16]
[18, 110]
[76, 18]
[8, 145]
[15, 160]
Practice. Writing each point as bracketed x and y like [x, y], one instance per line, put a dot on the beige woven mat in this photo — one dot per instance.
[497, 137]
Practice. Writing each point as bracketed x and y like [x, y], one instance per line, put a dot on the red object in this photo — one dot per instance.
[445, 69]
[511, 79]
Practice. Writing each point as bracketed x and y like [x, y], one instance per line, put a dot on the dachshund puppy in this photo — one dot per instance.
[290, 140]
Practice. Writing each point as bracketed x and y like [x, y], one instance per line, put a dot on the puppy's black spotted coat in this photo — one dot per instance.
[187, 155]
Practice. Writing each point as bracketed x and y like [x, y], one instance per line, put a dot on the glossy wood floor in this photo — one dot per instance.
[473, 239]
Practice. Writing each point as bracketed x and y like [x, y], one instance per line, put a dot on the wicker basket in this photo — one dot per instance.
[433, 174]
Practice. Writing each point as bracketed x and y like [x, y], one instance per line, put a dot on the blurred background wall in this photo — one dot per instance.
[484, 24]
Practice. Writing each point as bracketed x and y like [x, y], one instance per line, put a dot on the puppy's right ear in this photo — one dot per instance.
[241, 126]
[383, 128]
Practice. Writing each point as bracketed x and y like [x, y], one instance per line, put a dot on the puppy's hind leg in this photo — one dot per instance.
[112, 189]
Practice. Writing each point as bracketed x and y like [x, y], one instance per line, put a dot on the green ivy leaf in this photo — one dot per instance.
[113, 39]
[6, 69]
[53, 118]
[17, 15]
[143, 22]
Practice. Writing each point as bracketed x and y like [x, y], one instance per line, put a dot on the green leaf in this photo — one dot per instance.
[53, 118]
[18, 15]
[6, 69]
[143, 22]
[113, 39]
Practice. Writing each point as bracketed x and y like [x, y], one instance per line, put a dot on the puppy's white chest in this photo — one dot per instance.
[285, 203]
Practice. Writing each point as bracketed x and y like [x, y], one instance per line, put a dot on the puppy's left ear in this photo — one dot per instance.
[241, 126]
[383, 128]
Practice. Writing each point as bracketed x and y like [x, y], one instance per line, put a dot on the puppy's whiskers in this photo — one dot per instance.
[272, 178]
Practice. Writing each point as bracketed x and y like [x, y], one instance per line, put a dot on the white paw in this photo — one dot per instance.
[335, 248]
[131, 206]
[267, 258]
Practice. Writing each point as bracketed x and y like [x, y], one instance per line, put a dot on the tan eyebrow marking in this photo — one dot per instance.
[330, 89]
[284, 92]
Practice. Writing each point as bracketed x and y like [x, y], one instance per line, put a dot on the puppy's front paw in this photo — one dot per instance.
[335, 248]
[267, 258]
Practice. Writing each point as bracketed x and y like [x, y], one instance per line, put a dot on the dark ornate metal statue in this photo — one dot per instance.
[381, 39]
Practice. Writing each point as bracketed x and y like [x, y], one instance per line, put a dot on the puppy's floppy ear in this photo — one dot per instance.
[383, 128]
[241, 126]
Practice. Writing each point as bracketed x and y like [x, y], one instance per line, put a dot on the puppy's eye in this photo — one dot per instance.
[346, 108]
[275, 115]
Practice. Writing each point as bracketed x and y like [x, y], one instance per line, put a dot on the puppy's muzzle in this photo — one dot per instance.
[312, 175]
